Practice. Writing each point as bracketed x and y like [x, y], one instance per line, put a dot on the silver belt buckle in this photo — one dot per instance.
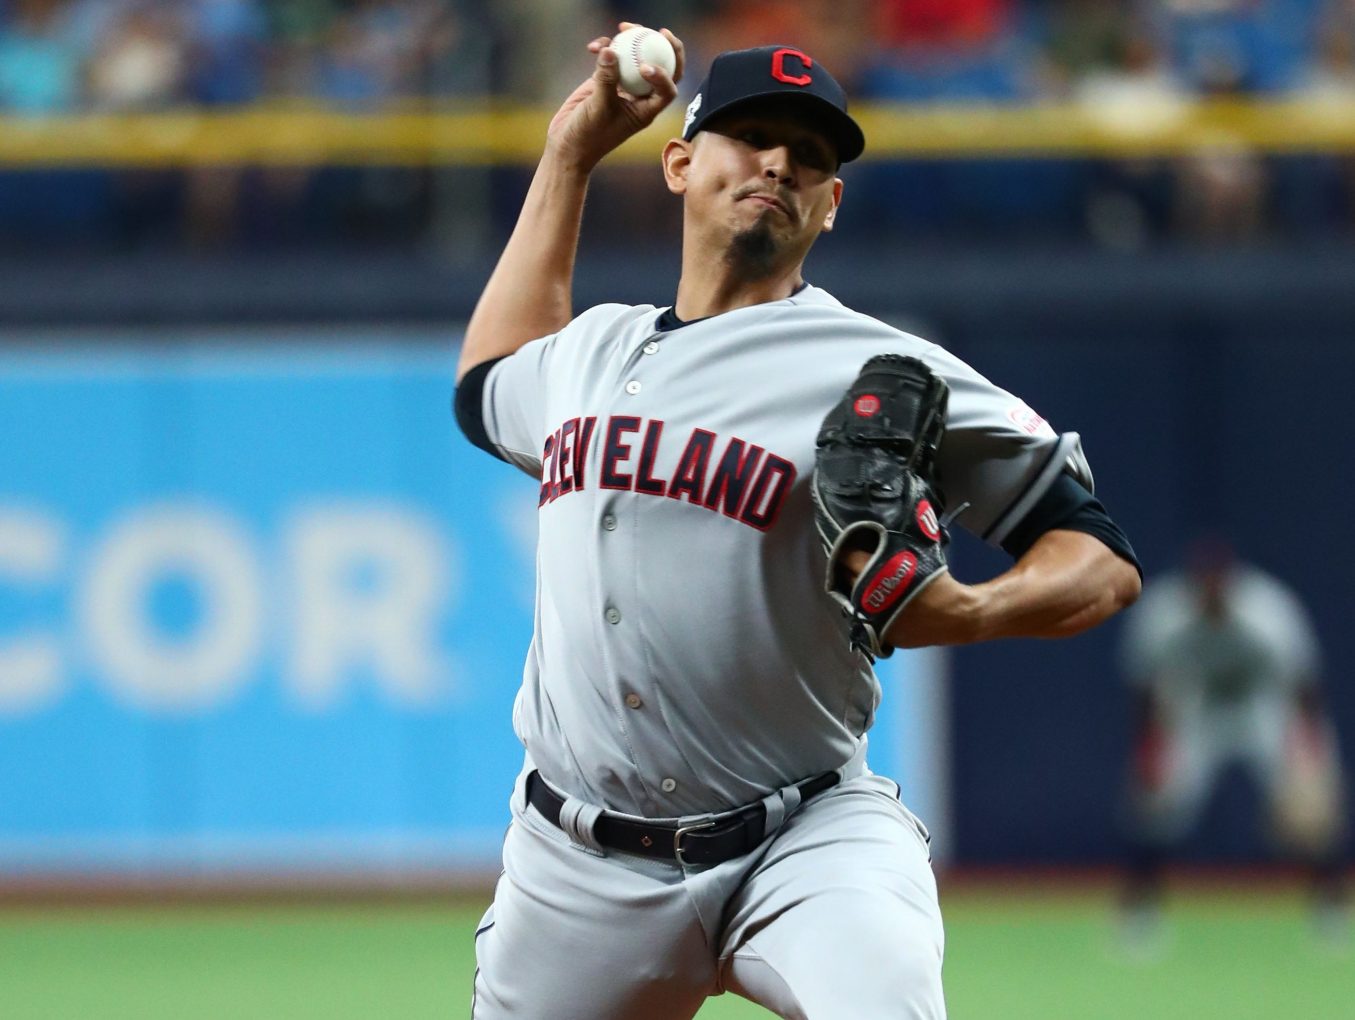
[682, 831]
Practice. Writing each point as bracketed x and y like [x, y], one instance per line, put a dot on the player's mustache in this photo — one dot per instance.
[780, 194]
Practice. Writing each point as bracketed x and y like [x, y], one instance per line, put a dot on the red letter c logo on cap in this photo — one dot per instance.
[779, 67]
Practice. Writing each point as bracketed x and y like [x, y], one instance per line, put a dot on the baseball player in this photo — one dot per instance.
[1225, 666]
[695, 813]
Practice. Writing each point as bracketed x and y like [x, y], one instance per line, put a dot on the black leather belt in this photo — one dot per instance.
[730, 836]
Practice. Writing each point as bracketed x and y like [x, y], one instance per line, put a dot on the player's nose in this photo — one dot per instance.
[778, 166]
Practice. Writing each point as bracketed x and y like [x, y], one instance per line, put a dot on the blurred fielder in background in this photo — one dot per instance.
[1224, 664]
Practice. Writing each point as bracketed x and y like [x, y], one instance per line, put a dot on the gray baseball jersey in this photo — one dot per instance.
[1263, 646]
[685, 658]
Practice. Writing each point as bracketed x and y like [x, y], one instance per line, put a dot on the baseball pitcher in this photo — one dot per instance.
[744, 498]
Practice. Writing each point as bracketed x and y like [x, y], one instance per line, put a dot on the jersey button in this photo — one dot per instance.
[613, 614]
[609, 523]
[651, 348]
[633, 701]
[633, 387]
[668, 785]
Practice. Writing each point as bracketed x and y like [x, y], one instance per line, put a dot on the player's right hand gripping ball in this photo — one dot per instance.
[873, 492]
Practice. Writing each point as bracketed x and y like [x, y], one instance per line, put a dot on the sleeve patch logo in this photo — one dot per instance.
[889, 582]
[867, 406]
[926, 520]
[1025, 418]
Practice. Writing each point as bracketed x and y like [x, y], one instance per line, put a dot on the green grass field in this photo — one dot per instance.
[1230, 955]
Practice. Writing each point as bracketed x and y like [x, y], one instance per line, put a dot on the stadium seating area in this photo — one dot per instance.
[63, 57]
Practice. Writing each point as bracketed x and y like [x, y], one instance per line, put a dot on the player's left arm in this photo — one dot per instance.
[1311, 727]
[1065, 583]
[1073, 569]
[1311, 701]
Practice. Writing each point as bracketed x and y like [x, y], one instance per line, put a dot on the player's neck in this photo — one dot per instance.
[710, 287]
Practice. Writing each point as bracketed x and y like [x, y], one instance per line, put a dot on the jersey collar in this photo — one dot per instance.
[669, 321]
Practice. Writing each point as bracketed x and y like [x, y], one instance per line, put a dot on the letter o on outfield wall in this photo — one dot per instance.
[145, 666]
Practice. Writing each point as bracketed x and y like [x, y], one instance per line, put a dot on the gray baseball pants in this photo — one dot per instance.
[833, 917]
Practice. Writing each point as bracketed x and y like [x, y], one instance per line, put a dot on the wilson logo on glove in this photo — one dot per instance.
[889, 583]
[926, 520]
[867, 406]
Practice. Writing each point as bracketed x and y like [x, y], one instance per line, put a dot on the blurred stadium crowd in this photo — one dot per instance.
[61, 57]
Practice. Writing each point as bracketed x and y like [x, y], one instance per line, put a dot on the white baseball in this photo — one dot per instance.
[640, 45]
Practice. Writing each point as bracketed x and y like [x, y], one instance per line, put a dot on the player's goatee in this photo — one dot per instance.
[752, 252]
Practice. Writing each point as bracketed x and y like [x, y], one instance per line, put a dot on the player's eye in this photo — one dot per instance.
[812, 156]
[753, 137]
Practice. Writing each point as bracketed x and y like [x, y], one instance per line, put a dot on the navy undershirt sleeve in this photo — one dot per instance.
[469, 405]
[1070, 507]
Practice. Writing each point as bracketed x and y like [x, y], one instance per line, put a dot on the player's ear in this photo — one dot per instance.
[677, 157]
[837, 201]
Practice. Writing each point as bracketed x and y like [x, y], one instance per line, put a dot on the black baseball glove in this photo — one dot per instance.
[874, 491]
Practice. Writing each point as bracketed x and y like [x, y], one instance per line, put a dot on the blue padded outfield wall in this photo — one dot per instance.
[262, 608]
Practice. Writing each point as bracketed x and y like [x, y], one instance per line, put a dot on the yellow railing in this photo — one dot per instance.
[300, 136]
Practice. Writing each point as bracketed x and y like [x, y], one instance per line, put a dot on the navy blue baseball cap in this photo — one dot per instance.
[776, 72]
